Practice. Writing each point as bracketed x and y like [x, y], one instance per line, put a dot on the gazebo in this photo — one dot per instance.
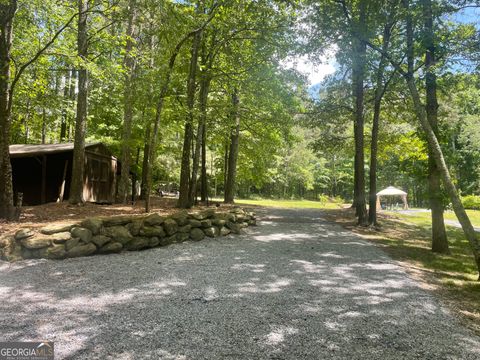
[392, 191]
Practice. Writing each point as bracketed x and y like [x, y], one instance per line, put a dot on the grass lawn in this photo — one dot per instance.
[474, 216]
[303, 204]
[407, 238]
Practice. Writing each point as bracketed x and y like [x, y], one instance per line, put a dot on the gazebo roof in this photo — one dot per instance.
[391, 190]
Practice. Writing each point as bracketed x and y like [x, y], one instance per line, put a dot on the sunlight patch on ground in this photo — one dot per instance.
[277, 336]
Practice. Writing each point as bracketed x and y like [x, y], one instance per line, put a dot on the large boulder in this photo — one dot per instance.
[181, 237]
[61, 238]
[23, 234]
[154, 219]
[153, 241]
[9, 250]
[100, 240]
[218, 222]
[194, 223]
[82, 233]
[82, 250]
[234, 227]
[150, 231]
[169, 239]
[223, 216]
[197, 234]
[206, 223]
[93, 224]
[170, 226]
[111, 247]
[224, 231]
[180, 217]
[117, 220]
[56, 228]
[135, 227]
[202, 215]
[118, 233]
[36, 242]
[70, 244]
[185, 228]
[212, 231]
[138, 243]
[56, 252]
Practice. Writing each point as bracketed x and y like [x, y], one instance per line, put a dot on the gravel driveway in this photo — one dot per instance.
[295, 287]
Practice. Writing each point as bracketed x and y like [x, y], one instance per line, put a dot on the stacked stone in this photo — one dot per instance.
[114, 234]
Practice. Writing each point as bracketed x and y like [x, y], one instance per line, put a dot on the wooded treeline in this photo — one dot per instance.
[404, 67]
[171, 86]
[198, 94]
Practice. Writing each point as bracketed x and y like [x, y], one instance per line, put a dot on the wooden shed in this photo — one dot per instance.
[43, 172]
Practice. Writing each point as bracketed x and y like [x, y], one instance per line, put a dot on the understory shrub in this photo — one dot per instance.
[471, 202]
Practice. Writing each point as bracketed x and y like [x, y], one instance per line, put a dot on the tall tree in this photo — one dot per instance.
[128, 100]
[185, 200]
[432, 140]
[380, 88]
[78, 163]
[7, 13]
[439, 235]
[230, 185]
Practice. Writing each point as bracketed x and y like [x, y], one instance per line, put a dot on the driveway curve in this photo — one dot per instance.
[295, 287]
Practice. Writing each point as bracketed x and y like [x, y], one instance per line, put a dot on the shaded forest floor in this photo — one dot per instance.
[453, 277]
[39, 215]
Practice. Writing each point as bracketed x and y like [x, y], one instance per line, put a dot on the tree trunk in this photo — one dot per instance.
[435, 147]
[203, 176]
[184, 198]
[199, 145]
[7, 13]
[358, 74]
[225, 163]
[158, 116]
[78, 165]
[439, 235]
[233, 152]
[73, 99]
[128, 100]
[379, 91]
[146, 151]
[44, 125]
[66, 97]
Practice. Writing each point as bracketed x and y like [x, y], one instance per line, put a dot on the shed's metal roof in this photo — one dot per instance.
[21, 150]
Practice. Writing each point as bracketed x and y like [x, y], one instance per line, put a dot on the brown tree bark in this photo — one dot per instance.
[379, 91]
[203, 175]
[200, 150]
[439, 235]
[184, 200]
[7, 13]
[230, 186]
[358, 74]
[146, 151]
[78, 164]
[128, 102]
[66, 98]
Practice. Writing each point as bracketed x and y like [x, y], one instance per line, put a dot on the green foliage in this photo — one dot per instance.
[471, 202]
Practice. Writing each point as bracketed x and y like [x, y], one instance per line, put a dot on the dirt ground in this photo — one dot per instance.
[38, 216]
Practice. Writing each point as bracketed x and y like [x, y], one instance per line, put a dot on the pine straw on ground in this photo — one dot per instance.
[452, 278]
[40, 215]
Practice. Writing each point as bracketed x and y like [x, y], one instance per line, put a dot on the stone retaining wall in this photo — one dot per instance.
[114, 234]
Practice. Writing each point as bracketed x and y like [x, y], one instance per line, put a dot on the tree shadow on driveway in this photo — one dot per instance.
[295, 287]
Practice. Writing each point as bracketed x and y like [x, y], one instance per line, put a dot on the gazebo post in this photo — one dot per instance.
[379, 206]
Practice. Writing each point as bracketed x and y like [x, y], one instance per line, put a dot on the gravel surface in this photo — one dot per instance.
[295, 287]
